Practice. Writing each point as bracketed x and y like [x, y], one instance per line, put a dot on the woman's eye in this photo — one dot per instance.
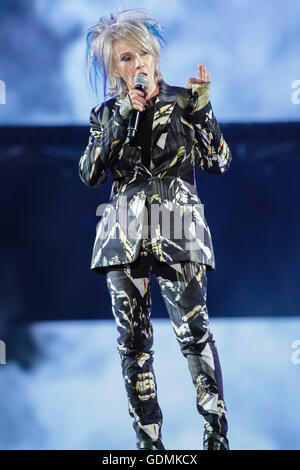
[127, 58]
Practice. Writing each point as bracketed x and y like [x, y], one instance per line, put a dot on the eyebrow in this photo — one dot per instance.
[125, 53]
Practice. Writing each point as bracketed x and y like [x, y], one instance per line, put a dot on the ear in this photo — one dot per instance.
[115, 70]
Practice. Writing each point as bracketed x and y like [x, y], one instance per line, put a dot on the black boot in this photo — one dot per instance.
[214, 441]
[150, 444]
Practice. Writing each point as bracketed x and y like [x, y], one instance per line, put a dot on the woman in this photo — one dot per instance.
[153, 176]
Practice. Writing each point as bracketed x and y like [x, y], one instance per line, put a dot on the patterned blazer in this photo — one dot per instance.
[162, 199]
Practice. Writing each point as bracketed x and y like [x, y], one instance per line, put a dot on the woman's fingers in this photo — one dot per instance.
[203, 76]
[201, 72]
[137, 99]
[190, 81]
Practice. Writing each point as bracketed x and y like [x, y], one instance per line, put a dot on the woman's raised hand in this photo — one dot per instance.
[203, 76]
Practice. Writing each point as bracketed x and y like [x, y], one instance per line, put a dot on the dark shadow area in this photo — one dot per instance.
[49, 222]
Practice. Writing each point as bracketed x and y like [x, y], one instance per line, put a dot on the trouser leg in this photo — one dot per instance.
[184, 289]
[129, 289]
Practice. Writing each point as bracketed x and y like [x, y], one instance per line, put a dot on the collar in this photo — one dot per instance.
[166, 92]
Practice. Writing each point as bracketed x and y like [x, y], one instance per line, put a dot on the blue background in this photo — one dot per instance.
[249, 47]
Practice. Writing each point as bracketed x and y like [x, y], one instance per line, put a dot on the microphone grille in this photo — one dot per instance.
[141, 79]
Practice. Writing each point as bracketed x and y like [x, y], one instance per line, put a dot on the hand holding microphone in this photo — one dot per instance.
[138, 103]
[134, 100]
[137, 98]
[134, 103]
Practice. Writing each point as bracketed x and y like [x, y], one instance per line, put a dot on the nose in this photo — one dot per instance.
[139, 63]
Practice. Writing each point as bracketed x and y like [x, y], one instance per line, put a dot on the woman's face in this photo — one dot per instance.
[130, 59]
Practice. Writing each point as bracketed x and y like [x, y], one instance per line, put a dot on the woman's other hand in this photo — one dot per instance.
[198, 96]
[203, 76]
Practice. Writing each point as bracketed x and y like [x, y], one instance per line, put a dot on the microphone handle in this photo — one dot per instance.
[134, 118]
[133, 123]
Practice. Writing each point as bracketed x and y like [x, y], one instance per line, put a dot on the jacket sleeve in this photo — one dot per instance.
[211, 150]
[106, 137]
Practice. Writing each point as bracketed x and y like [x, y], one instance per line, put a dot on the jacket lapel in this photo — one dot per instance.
[163, 108]
[164, 105]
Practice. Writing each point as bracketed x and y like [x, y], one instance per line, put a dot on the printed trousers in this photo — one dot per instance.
[183, 287]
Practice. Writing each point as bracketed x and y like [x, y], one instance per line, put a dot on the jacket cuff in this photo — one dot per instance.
[201, 93]
[200, 117]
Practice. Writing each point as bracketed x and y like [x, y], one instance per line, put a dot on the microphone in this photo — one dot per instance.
[140, 83]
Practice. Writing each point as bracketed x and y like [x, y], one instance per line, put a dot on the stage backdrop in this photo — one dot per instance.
[60, 372]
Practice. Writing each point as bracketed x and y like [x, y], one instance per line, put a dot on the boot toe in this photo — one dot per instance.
[214, 441]
[150, 444]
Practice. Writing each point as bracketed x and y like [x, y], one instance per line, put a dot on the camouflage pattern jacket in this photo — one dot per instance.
[162, 199]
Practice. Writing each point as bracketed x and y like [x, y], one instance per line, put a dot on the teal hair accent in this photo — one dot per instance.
[154, 31]
[93, 59]
[87, 43]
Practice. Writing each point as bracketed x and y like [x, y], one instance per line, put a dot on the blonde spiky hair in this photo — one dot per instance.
[135, 23]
